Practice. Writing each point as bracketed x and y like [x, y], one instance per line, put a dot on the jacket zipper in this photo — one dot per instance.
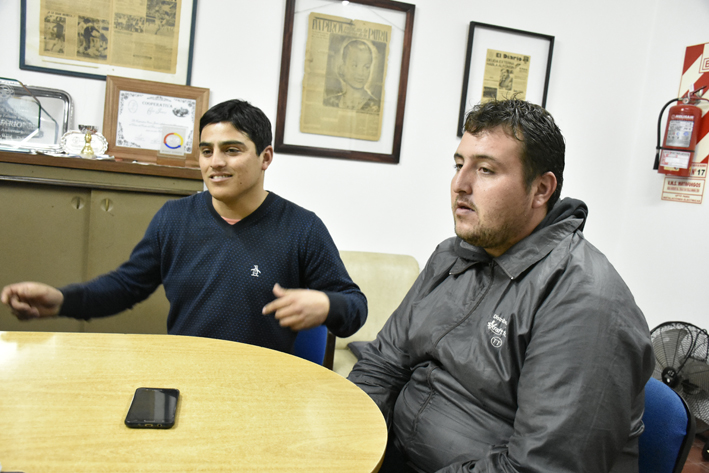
[479, 301]
[432, 392]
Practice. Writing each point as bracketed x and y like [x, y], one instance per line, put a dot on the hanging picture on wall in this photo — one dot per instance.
[148, 40]
[505, 76]
[502, 63]
[344, 73]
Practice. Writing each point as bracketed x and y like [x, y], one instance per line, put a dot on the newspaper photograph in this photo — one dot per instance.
[343, 84]
[505, 76]
[127, 33]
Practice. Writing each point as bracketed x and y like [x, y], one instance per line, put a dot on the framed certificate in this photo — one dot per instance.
[142, 117]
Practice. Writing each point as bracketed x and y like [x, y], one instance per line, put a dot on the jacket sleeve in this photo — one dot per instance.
[385, 363]
[324, 271]
[384, 366]
[580, 394]
[122, 288]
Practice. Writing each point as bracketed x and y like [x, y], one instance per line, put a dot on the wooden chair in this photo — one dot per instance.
[385, 279]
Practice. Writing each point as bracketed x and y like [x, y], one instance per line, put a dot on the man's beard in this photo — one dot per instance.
[485, 237]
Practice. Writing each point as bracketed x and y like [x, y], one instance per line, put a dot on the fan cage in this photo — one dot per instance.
[682, 362]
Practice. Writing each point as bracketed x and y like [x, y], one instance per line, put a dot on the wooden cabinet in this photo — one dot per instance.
[60, 225]
[43, 238]
[117, 221]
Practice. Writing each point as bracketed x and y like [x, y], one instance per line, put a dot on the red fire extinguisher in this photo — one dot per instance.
[676, 154]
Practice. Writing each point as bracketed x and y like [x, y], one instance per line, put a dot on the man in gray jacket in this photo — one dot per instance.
[519, 348]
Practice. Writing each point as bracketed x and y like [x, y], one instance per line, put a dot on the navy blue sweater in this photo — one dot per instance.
[218, 277]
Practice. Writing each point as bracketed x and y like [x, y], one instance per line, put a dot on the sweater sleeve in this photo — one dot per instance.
[122, 288]
[324, 271]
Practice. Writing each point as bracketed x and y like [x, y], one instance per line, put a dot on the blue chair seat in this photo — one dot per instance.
[313, 344]
[669, 430]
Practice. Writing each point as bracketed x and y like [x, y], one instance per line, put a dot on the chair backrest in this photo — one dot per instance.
[669, 430]
[385, 279]
[310, 344]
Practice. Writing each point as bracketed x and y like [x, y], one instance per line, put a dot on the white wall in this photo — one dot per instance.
[615, 64]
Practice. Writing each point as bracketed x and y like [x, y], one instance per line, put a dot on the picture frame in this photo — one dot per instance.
[482, 38]
[56, 41]
[289, 138]
[138, 116]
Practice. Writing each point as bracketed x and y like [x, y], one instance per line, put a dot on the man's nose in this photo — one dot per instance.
[462, 182]
[217, 159]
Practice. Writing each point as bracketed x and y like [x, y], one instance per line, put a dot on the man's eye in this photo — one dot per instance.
[232, 151]
[205, 152]
[457, 166]
[485, 170]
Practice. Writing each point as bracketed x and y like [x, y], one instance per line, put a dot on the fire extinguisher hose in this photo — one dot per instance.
[658, 148]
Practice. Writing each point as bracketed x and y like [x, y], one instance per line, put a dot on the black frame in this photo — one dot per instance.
[57, 70]
[343, 153]
[520, 35]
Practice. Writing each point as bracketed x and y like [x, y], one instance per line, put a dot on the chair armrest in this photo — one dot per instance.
[329, 351]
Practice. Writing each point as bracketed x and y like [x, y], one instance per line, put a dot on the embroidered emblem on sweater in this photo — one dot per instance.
[498, 326]
[255, 271]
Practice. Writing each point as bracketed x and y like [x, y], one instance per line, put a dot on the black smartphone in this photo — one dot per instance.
[153, 408]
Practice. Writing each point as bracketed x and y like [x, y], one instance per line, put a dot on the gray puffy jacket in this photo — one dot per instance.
[535, 361]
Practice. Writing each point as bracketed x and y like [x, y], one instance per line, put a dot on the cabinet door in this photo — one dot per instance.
[43, 237]
[118, 222]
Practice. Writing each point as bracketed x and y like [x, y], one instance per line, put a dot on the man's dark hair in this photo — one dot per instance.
[244, 117]
[543, 146]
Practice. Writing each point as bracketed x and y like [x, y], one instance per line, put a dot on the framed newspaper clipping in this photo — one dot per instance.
[503, 62]
[344, 72]
[153, 122]
[139, 39]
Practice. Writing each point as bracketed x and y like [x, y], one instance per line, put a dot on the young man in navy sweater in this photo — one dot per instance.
[237, 262]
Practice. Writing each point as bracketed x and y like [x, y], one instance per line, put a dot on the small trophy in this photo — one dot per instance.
[85, 142]
[87, 151]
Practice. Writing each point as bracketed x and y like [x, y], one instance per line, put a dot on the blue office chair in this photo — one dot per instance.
[669, 430]
[316, 345]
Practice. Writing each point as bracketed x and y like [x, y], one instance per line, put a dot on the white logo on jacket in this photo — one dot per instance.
[498, 326]
[255, 271]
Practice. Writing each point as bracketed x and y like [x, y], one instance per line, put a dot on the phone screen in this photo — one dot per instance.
[153, 408]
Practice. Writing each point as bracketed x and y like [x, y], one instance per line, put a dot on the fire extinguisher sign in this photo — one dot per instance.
[686, 189]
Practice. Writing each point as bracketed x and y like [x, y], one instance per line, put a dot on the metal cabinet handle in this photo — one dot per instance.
[106, 205]
[77, 202]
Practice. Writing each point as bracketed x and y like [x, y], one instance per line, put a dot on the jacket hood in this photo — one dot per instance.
[563, 209]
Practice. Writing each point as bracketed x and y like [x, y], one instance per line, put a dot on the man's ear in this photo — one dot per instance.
[543, 188]
[266, 157]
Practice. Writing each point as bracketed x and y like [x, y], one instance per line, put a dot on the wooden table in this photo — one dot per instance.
[64, 397]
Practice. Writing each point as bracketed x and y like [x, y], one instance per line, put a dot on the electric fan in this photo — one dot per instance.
[682, 362]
